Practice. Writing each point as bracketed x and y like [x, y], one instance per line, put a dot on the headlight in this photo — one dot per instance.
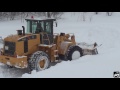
[6, 48]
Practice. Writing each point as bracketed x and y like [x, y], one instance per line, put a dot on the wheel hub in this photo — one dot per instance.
[75, 55]
[42, 63]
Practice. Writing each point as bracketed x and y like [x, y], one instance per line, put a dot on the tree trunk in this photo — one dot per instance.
[83, 16]
[109, 13]
[96, 12]
[48, 15]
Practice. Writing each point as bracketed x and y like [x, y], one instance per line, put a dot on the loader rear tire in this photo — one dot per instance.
[39, 61]
[74, 50]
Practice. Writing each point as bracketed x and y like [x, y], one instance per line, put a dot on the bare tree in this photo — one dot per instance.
[24, 15]
[96, 12]
[12, 15]
[109, 13]
[83, 16]
[57, 15]
[48, 14]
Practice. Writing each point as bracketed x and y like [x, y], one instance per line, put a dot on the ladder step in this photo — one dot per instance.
[55, 50]
[55, 55]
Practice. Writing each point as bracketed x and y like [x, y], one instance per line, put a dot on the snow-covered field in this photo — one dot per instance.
[100, 28]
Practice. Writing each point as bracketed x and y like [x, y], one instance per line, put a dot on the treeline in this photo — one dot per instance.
[23, 15]
[108, 13]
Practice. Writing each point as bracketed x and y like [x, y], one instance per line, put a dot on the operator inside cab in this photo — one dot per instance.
[39, 28]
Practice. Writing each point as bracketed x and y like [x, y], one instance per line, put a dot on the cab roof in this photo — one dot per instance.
[40, 19]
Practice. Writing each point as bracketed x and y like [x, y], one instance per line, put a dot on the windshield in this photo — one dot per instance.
[37, 26]
[32, 26]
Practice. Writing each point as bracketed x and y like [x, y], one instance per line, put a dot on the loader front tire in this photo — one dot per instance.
[39, 61]
[74, 52]
[9, 66]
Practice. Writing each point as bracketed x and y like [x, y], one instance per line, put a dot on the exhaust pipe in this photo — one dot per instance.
[23, 30]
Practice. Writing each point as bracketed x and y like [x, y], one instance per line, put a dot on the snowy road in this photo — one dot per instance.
[6, 72]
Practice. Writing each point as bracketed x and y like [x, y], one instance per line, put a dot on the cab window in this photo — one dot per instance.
[49, 27]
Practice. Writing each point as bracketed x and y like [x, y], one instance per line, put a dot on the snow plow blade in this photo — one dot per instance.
[88, 49]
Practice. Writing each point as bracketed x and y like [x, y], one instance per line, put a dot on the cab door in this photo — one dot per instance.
[49, 30]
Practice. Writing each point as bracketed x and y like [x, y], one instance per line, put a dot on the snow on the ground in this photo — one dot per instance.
[100, 28]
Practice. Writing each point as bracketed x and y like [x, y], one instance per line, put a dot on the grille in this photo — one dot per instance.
[9, 48]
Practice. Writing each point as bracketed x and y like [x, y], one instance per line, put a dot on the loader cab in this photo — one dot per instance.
[46, 25]
[38, 26]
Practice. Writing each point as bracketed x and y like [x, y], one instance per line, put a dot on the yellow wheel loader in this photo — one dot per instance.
[37, 46]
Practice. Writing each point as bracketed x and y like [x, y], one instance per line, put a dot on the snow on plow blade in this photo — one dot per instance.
[88, 49]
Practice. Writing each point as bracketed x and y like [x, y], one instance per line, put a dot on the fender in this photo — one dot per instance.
[64, 46]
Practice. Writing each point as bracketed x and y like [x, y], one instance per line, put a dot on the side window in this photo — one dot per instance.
[42, 25]
[34, 26]
[48, 27]
[28, 27]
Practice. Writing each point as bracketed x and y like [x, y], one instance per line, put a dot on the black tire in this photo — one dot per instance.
[36, 58]
[10, 66]
[71, 50]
